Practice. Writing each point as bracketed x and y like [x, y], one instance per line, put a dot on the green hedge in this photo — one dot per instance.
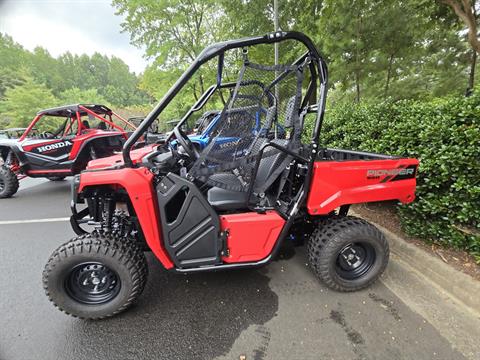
[444, 134]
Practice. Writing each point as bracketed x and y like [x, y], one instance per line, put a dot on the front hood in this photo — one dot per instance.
[117, 160]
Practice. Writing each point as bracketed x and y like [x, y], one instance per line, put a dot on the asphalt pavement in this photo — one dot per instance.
[278, 312]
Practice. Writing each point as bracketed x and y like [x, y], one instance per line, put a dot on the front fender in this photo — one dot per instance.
[138, 183]
[14, 147]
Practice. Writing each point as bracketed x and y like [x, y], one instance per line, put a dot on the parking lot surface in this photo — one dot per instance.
[278, 312]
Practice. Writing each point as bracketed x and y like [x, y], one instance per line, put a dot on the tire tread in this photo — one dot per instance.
[109, 245]
[325, 234]
[11, 182]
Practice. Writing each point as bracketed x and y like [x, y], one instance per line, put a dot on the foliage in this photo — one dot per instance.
[465, 9]
[77, 96]
[22, 102]
[66, 79]
[400, 49]
[444, 134]
[375, 49]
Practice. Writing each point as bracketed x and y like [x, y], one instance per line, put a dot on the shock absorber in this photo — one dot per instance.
[12, 162]
[108, 212]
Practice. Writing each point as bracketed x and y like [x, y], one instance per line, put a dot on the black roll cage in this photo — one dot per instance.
[318, 70]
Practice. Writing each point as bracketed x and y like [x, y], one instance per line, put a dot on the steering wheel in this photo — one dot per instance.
[186, 143]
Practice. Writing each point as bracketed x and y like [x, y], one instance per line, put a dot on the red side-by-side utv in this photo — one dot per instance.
[60, 142]
[232, 204]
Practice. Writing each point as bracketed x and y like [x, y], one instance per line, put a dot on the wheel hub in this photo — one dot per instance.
[92, 283]
[2, 184]
[353, 256]
[355, 260]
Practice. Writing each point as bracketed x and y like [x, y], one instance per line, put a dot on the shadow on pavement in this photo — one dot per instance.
[181, 316]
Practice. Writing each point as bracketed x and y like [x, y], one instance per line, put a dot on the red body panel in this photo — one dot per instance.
[251, 235]
[337, 183]
[53, 171]
[87, 135]
[138, 184]
[136, 156]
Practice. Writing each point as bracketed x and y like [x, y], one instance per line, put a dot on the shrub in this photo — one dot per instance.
[444, 134]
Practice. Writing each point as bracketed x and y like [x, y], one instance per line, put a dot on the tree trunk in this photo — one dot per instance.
[473, 64]
[202, 86]
[194, 88]
[465, 10]
[357, 87]
[224, 102]
[389, 74]
[357, 57]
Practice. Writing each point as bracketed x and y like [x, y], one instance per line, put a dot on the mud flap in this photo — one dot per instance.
[190, 226]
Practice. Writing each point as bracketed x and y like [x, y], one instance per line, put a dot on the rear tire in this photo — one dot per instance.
[347, 253]
[8, 182]
[56, 178]
[95, 276]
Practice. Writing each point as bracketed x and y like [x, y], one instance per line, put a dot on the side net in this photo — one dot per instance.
[264, 106]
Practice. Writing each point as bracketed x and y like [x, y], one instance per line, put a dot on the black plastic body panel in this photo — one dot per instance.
[190, 226]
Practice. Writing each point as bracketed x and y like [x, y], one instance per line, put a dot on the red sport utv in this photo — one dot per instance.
[60, 142]
[232, 204]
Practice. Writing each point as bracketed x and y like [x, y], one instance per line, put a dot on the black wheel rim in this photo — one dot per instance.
[92, 283]
[2, 184]
[355, 260]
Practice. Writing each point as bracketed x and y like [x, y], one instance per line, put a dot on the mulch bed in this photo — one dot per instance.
[385, 214]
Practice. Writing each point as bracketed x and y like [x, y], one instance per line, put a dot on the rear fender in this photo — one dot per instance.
[81, 143]
[138, 183]
[337, 183]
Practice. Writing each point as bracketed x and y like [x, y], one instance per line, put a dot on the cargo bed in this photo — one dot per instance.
[344, 177]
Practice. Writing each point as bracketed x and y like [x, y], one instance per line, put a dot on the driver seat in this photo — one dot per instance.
[269, 170]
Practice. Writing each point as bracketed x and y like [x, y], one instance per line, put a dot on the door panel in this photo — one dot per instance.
[190, 226]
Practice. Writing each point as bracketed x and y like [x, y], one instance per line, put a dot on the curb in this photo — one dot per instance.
[458, 285]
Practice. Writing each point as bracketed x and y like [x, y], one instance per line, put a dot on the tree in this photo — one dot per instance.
[348, 30]
[22, 102]
[110, 76]
[465, 10]
[10, 78]
[173, 31]
[45, 69]
[78, 96]
[12, 55]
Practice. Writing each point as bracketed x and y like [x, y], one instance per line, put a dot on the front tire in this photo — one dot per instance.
[95, 276]
[347, 253]
[8, 182]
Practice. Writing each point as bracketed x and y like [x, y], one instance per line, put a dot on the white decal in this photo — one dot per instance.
[389, 172]
[55, 146]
